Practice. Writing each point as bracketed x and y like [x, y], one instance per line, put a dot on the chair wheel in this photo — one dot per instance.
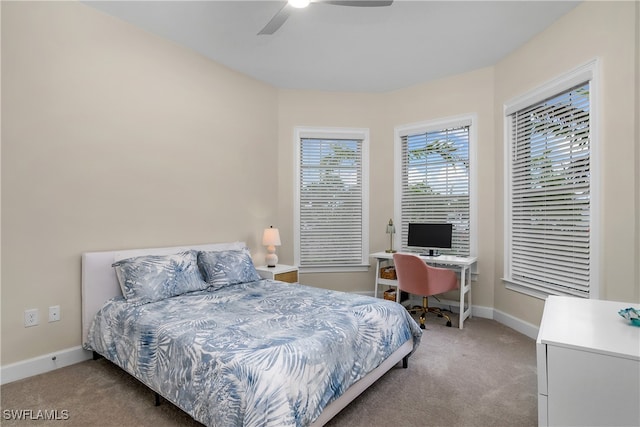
[449, 323]
[439, 315]
[422, 326]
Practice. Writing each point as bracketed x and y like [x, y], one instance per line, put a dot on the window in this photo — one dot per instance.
[331, 206]
[434, 179]
[550, 226]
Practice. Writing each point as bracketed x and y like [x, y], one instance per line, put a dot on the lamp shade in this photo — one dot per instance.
[271, 237]
[391, 228]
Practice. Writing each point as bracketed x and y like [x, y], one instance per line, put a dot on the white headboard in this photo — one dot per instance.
[99, 281]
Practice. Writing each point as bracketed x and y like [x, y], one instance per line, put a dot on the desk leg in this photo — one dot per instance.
[465, 288]
[375, 291]
[463, 278]
[469, 286]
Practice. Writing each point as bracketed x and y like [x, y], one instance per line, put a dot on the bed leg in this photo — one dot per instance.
[157, 399]
[96, 356]
[405, 362]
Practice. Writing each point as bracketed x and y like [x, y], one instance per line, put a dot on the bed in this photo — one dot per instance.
[230, 348]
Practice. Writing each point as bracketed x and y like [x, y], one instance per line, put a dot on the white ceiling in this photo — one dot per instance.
[340, 48]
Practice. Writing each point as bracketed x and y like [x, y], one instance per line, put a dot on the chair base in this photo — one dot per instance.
[426, 309]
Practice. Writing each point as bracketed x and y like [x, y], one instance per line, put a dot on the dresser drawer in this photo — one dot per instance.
[290, 276]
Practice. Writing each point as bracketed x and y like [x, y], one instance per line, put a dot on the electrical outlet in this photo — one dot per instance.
[30, 317]
[54, 313]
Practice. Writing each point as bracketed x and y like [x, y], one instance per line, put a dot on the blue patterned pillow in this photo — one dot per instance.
[150, 278]
[225, 268]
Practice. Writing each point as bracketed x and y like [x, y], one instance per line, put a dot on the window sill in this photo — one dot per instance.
[512, 286]
[334, 269]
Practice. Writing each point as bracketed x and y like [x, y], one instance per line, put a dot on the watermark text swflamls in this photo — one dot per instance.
[35, 414]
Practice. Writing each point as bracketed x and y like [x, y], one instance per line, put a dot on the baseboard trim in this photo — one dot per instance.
[508, 320]
[41, 364]
[454, 306]
[519, 325]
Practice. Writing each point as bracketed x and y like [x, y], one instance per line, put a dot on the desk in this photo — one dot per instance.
[462, 264]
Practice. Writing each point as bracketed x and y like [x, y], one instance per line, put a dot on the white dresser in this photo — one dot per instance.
[588, 364]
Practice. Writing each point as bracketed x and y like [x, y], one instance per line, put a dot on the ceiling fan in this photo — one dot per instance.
[282, 15]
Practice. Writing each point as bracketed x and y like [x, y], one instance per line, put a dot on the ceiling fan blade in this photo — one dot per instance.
[361, 3]
[277, 20]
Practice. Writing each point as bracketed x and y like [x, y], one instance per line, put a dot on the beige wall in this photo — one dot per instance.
[607, 31]
[381, 113]
[469, 93]
[322, 109]
[114, 138]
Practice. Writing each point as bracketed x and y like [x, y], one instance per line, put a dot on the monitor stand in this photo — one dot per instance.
[432, 252]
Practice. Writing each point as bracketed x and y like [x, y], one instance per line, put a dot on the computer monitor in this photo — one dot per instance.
[430, 236]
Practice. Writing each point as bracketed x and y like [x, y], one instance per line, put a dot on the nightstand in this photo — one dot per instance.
[282, 272]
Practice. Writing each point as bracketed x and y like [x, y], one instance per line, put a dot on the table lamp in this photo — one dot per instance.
[271, 239]
[391, 230]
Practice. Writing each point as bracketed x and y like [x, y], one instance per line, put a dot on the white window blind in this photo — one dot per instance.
[435, 183]
[332, 207]
[550, 195]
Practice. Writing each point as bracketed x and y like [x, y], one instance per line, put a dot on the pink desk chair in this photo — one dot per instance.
[418, 278]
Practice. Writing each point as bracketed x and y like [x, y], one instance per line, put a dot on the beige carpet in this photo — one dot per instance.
[483, 375]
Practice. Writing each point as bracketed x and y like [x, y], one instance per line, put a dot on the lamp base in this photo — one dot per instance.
[271, 259]
[390, 251]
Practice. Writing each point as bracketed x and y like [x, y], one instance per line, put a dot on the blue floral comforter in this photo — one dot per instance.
[263, 353]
